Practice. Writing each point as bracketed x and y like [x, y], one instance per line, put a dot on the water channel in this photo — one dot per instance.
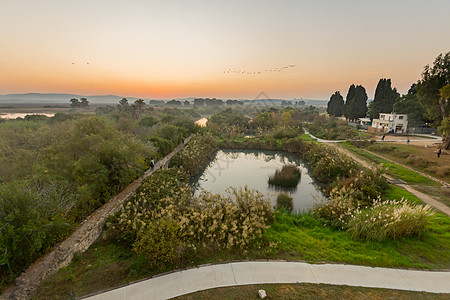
[238, 168]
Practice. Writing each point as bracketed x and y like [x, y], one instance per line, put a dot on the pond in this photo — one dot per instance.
[238, 168]
[22, 115]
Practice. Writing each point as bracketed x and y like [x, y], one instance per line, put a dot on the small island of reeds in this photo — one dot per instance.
[288, 176]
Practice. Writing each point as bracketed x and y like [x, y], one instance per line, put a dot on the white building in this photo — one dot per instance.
[364, 121]
[395, 123]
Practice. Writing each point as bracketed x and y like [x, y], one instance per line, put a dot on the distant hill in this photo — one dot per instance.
[54, 98]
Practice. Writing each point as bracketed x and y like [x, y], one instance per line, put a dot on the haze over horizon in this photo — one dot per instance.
[232, 49]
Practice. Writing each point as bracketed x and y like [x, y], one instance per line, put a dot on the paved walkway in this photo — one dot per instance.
[244, 273]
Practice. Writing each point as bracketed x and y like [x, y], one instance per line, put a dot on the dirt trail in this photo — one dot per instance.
[83, 236]
[425, 198]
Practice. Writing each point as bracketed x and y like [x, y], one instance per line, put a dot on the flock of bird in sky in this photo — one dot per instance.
[244, 72]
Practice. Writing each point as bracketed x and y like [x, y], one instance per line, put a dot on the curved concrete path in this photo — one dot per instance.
[254, 272]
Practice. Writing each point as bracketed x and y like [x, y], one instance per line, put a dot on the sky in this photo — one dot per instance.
[176, 49]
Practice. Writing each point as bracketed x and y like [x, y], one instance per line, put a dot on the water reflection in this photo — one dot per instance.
[252, 168]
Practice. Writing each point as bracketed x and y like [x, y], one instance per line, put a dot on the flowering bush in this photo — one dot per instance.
[389, 220]
[380, 220]
[222, 222]
[329, 164]
[341, 207]
[196, 153]
[366, 184]
[154, 193]
[164, 213]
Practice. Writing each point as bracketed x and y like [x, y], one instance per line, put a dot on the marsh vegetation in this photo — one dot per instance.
[165, 225]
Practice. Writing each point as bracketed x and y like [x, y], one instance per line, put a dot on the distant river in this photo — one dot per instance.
[238, 168]
[21, 115]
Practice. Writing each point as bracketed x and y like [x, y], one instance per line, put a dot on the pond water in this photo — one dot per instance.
[238, 168]
[22, 115]
[201, 122]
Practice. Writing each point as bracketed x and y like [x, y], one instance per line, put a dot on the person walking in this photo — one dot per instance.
[382, 138]
[152, 163]
[407, 142]
[439, 152]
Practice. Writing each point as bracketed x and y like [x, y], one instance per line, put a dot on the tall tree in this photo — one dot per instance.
[409, 104]
[74, 102]
[356, 104]
[349, 101]
[336, 105]
[137, 108]
[384, 99]
[84, 102]
[434, 94]
[360, 105]
[123, 102]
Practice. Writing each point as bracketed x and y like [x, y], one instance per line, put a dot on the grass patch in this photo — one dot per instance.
[288, 176]
[308, 291]
[397, 193]
[302, 237]
[393, 169]
[104, 265]
[306, 137]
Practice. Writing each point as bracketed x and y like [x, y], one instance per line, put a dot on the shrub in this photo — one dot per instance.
[148, 121]
[339, 209]
[329, 164]
[161, 243]
[196, 154]
[284, 201]
[389, 220]
[288, 176]
[221, 222]
[32, 219]
[366, 184]
[379, 220]
[154, 194]
[286, 132]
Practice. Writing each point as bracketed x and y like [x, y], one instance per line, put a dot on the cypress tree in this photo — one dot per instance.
[356, 104]
[384, 99]
[348, 108]
[360, 104]
[336, 105]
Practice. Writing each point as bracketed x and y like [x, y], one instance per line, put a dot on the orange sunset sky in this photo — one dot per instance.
[174, 49]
